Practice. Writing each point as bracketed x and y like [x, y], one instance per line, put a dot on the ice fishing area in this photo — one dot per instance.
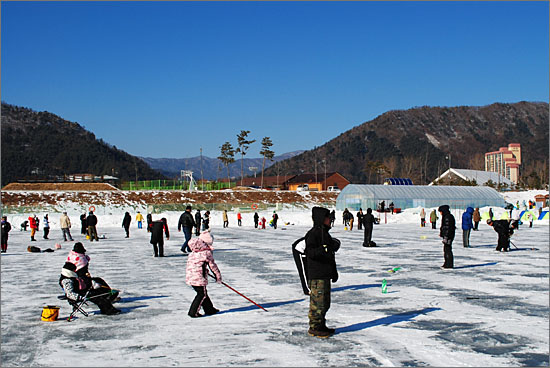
[491, 310]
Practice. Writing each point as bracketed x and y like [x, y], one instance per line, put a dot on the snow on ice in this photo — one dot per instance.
[491, 310]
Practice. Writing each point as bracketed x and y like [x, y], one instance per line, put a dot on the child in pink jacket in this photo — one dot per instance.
[198, 263]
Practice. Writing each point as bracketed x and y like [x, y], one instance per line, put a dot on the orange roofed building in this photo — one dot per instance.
[506, 161]
[318, 182]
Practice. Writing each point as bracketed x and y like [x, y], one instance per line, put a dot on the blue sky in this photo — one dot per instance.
[163, 79]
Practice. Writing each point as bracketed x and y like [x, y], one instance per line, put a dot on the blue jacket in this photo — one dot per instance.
[467, 219]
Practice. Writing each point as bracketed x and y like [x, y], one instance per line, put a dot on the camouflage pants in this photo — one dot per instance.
[319, 302]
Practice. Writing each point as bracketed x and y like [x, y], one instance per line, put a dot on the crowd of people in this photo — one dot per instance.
[318, 253]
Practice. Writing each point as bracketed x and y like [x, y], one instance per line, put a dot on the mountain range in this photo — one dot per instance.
[212, 168]
[418, 143]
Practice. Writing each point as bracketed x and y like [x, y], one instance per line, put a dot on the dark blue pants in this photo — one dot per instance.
[187, 232]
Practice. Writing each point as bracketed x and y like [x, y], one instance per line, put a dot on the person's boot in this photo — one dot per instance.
[32, 238]
[329, 330]
[318, 333]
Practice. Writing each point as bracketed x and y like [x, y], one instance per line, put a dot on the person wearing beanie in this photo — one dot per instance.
[76, 290]
[447, 232]
[321, 271]
[199, 261]
[81, 261]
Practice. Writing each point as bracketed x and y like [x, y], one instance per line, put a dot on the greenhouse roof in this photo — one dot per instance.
[409, 196]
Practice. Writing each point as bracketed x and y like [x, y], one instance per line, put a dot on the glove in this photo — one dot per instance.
[219, 281]
[335, 278]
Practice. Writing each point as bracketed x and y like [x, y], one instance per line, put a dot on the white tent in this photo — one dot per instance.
[355, 196]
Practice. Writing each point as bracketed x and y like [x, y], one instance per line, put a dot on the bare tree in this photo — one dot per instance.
[266, 152]
[477, 162]
[243, 147]
[391, 165]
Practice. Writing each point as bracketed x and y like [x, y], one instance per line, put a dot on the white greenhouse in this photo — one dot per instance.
[355, 196]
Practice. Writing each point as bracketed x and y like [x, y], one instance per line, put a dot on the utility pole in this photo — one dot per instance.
[325, 162]
[202, 178]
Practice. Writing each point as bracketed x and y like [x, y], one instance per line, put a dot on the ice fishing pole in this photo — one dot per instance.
[244, 296]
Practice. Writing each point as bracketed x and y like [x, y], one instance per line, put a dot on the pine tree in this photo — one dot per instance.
[227, 157]
[243, 147]
[266, 152]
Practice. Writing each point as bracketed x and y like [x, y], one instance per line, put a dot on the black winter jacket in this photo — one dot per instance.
[127, 220]
[502, 227]
[156, 231]
[368, 221]
[198, 219]
[91, 220]
[320, 248]
[447, 229]
[186, 220]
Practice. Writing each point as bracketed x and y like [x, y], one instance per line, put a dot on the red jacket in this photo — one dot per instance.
[32, 222]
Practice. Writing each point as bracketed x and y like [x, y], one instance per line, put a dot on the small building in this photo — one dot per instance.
[480, 177]
[355, 196]
[541, 200]
[318, 182]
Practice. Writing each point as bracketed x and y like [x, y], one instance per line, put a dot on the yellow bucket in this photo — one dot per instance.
[50, 313]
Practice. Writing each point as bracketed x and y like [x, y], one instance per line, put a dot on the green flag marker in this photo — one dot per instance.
[384, 286]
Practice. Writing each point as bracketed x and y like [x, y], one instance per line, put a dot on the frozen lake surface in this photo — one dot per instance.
[491, 310]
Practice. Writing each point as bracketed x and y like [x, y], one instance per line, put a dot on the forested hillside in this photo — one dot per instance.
[418, 142]
[41, 145]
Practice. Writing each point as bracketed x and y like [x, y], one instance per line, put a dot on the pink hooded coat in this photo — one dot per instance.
[199, 260]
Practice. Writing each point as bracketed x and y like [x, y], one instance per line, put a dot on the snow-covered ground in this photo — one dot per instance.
[491, 310]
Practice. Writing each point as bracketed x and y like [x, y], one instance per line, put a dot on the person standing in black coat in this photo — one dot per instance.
[447, 232]
[368, 223]
[256, 219]
[157, 227]
[206, 221]
[83, 224]
[91, 222]
[198, 219]
[321, 270]
[6, 228]
[360, 216]
[275, 218]
[126, 223]
[187, 223]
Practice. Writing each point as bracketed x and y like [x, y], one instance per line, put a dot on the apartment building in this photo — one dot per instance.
[506, 161]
